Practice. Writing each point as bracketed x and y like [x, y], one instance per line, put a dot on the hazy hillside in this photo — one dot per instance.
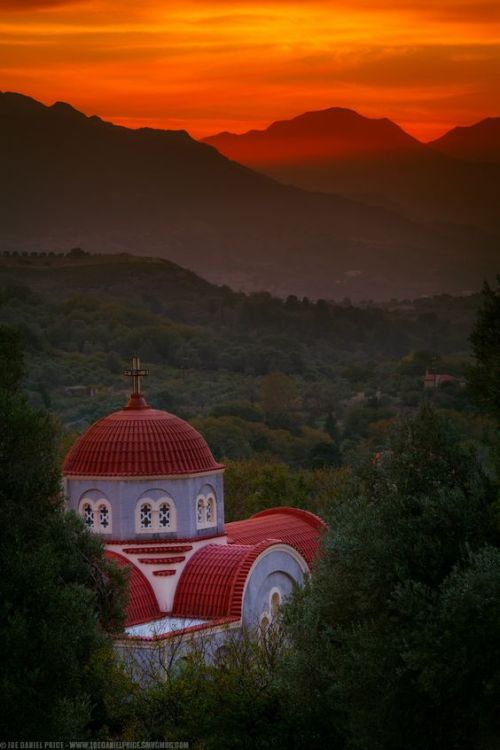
[479, 142]
[181, 295]
[71, 180]
[211, 350]
[374, 160]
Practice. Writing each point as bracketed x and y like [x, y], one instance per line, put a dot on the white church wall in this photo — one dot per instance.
[164, 586]
[148, 661]
[124, 496]
[276, 570]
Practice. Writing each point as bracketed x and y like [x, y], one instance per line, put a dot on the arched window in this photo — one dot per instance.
[206, 512]
[164, 516]
[275, 603]
[155, 514]
[88, 515]
[96, 513]
[146, 516]
[103, 517]
[200, 512]
[210, 511]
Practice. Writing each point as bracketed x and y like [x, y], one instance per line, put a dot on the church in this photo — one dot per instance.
[146, 481]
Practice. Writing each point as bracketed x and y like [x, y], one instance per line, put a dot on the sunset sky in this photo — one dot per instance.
[210, 66]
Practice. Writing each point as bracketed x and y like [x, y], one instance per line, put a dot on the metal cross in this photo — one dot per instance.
[136, 373]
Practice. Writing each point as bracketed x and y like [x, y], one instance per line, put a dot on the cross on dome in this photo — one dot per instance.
[136, 372]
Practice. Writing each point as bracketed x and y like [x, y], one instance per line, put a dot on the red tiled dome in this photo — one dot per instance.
[138, 441]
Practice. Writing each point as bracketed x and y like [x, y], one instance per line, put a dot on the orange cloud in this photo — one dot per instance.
[206, 66]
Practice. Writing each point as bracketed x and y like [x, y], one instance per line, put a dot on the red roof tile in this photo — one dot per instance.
[298, 528]
[139, 441]
[157, 550]
[142, 605]
[212, 582]
[158, 542]
[161, 560]
[166, 572]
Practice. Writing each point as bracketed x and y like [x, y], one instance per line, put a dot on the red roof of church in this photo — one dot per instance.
[298, 528]
[213, 581]
[142, 605]
[139, 441]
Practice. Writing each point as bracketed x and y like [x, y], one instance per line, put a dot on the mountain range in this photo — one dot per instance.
[72, 180]
[453, 179]
[479, 142]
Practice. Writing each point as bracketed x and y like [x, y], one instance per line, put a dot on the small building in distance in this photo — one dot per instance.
[147, 482]
[436, 380]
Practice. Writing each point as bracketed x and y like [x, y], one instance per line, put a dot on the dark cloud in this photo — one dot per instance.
[18, 6]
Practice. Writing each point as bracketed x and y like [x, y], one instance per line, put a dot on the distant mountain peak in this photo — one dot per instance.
[12, 100]
[77, 181]
[65, 108]
[318, 135]
[15, 104]
[329, 121]
[20, 105]
[477, 142]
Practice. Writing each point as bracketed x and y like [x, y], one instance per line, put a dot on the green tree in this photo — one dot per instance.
[59, 598]
[279, 400]
[227, 436]
[418, 362]
[11, 359]
[324, 454]
[232, 701]
[331, 427]
[396, 640]
[254, 485]
[484, 376]
[242, 409]
[251, 486]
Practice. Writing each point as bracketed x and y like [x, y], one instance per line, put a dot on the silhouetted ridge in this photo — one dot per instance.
[75, 181]
[335, 130]
[479, 142]
[339, 151]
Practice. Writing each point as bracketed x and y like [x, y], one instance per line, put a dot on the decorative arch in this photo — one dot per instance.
[200, 512]
[275, 601]
[165, 514]
[95, 509]
[103, 510]
[210, 511]
[269, 621]
[87, 511]
[155, 512]
[206, 508]
[145, 510]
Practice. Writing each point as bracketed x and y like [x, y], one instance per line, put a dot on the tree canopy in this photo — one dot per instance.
[484, 376]
[59, 598]
[396, 640]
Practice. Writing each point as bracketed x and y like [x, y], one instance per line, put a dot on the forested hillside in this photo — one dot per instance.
[310, 384]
